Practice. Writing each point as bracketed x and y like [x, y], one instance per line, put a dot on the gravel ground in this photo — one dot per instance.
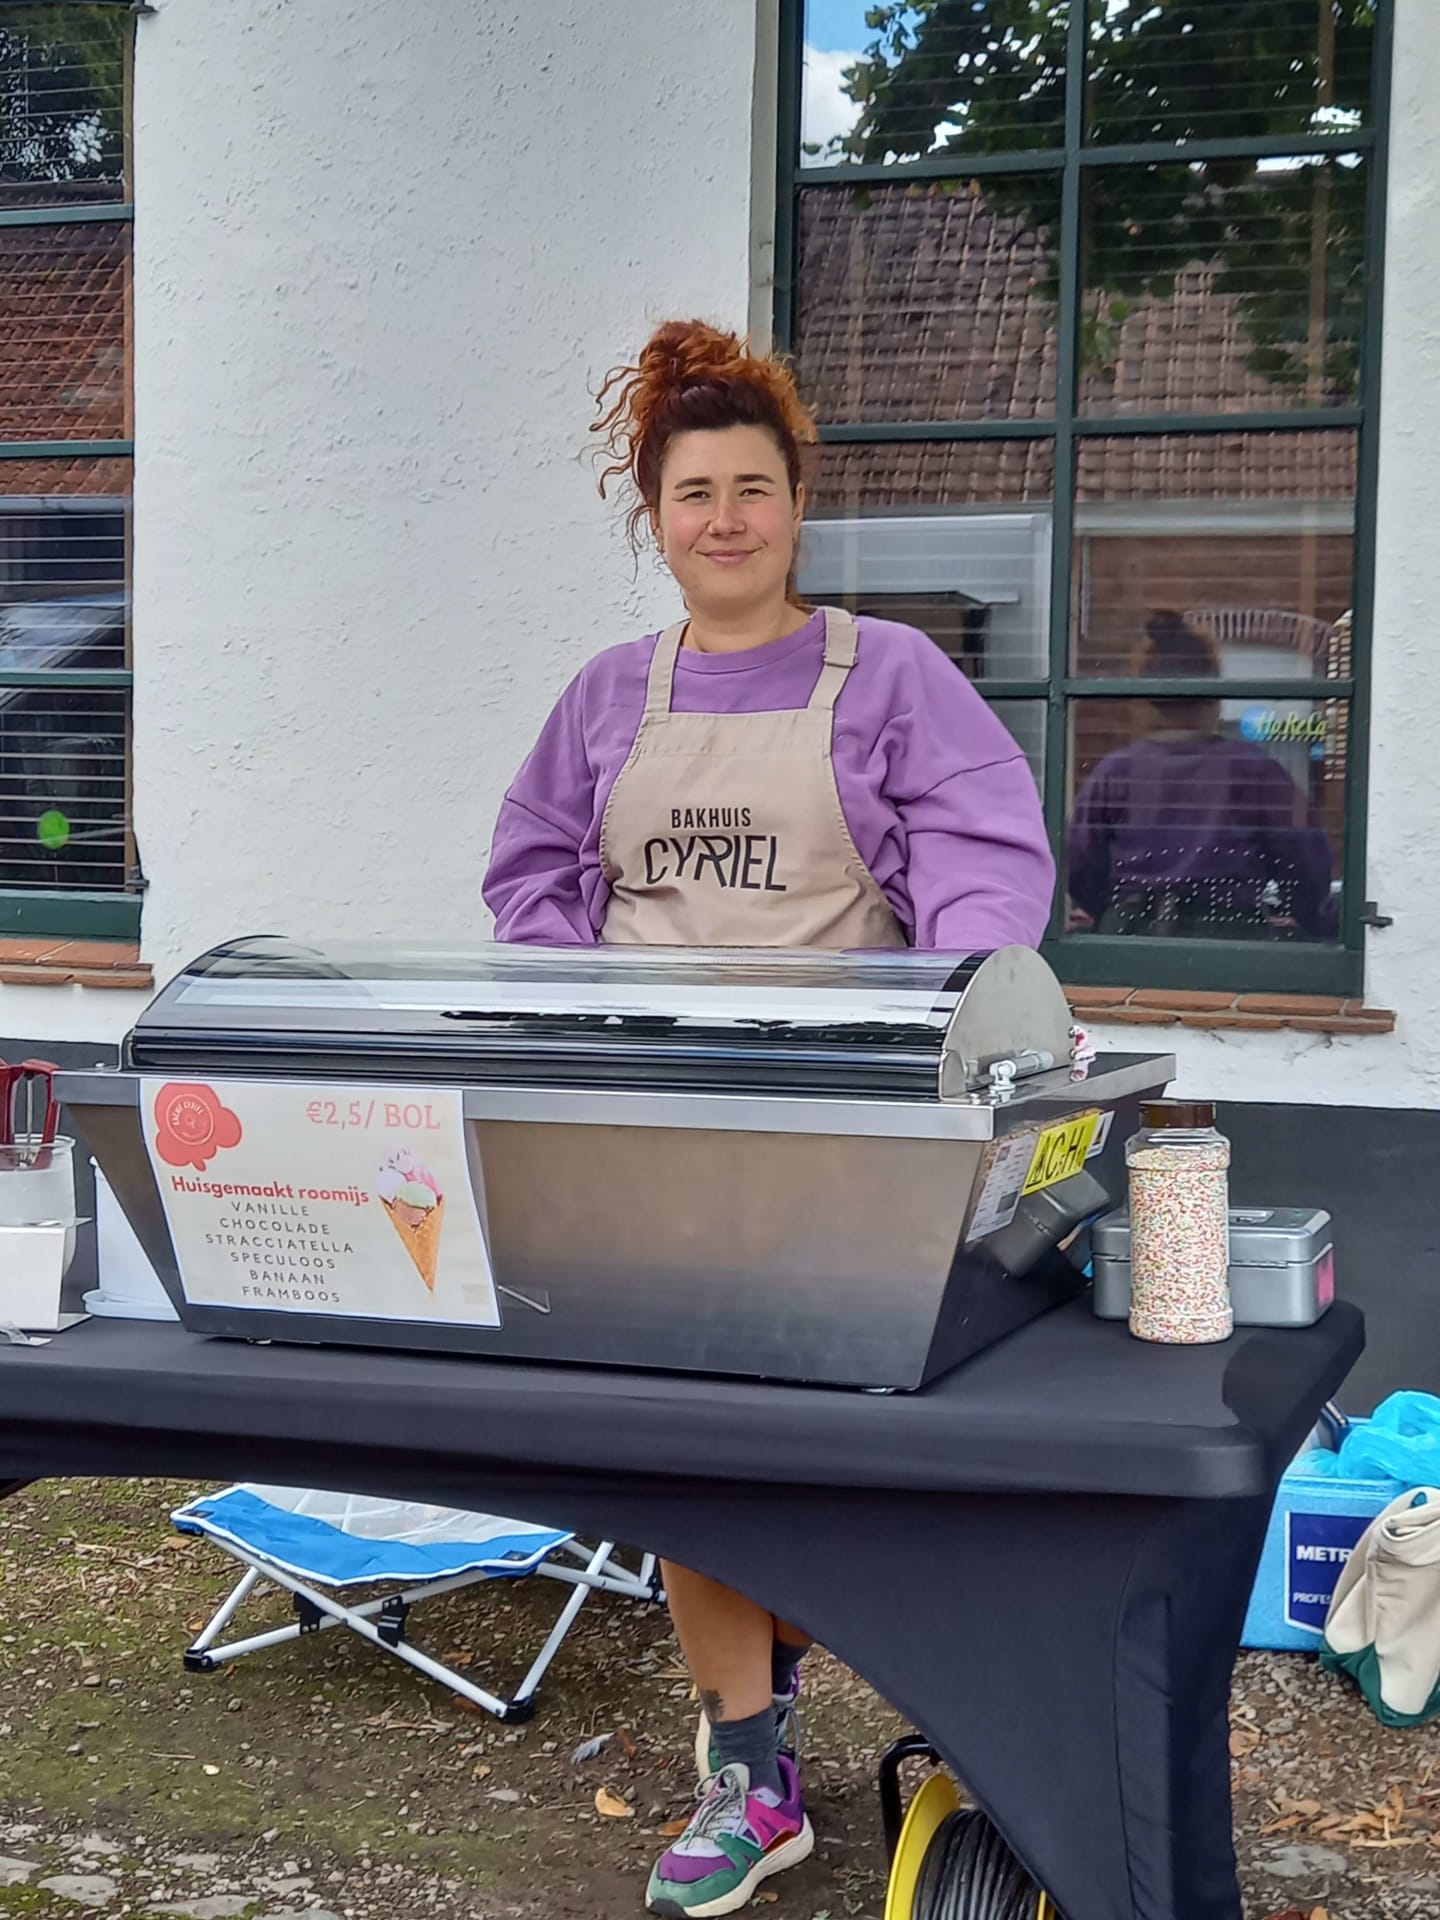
[323, 1778]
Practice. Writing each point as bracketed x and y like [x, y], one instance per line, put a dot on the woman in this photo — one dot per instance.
[760, 774]
[1185, 833]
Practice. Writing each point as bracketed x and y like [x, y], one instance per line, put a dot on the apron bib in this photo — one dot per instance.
[726, 829]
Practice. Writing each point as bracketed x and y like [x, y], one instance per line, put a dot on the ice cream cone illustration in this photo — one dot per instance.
[411, 1197]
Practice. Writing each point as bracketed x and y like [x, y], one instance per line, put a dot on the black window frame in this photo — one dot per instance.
[1093, 959]
[72, 911]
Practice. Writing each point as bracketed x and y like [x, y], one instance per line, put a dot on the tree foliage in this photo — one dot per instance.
[1285, 241]
[62, 93]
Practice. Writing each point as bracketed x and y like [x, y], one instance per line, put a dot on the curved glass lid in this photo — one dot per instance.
[254, 981]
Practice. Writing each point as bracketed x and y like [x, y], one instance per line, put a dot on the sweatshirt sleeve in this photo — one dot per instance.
[532, 885]
[979, 870]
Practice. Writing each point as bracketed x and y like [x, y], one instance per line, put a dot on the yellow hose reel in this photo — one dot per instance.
[946, 1862]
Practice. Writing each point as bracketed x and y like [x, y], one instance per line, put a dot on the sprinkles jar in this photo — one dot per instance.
[1179, 1167]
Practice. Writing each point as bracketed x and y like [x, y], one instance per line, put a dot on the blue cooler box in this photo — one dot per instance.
[1316, 1521]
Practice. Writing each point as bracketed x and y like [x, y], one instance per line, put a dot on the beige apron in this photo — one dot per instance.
[726, 830]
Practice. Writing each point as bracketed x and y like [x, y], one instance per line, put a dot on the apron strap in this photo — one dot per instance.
[662, 670]
[842, 641]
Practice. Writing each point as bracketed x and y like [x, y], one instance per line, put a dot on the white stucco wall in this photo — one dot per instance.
[383, 254]
[387, 251]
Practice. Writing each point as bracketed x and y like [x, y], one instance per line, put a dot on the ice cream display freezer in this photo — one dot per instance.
[855, 1169]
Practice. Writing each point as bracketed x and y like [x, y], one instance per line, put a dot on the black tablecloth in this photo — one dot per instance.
[1042, 1559]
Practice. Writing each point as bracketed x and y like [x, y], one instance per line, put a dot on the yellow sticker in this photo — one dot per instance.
[1060, 1151]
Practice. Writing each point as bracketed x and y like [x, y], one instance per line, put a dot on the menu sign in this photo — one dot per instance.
[353, 1200]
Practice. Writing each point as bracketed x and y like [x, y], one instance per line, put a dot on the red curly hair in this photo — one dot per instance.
[691, 376]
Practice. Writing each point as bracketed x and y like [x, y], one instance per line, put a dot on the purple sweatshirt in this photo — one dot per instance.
[1216, 817]
[938, 798]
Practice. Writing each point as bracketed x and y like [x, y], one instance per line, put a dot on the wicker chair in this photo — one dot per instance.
[1263, 627]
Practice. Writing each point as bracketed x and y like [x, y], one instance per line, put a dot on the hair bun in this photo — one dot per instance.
[691, 376]
[683, 353]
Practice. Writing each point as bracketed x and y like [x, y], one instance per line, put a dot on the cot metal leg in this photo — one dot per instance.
[525, 1691]
[225, 1613]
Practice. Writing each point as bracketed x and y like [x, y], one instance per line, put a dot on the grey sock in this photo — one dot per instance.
[784, 1659]
[750, 1743]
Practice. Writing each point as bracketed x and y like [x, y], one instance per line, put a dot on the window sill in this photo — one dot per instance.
[51, 961]
[1227, 1012]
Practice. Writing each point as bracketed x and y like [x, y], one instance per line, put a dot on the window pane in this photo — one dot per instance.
[893, 475]
[1269, 467]
[62, 787]
[63, 332]
[24, 481]
[898, 530]
[978, 584]
[62, 104]
[1226, 69]
[63, 541]
[1206, 819]
[895, 81]
[1025, 721]
[931, 302]
[1225, 287]
[948, 618]
[1247, 538]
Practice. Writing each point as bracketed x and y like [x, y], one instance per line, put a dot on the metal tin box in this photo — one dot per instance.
[1282, 1265]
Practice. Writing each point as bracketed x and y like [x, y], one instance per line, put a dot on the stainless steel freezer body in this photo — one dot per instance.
[753, 1184]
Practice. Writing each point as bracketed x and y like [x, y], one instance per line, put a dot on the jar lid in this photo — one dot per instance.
[1177, 1113]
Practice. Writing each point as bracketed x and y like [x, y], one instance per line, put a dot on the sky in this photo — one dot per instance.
[836, 26]
[835, 32]
[826, 110]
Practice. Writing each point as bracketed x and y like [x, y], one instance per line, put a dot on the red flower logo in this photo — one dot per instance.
[191, 1125]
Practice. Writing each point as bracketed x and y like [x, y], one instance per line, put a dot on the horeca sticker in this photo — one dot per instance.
[1317, 1546]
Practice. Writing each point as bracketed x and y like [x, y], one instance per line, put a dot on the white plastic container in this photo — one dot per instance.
[37, 1233]
[37, 1182]
[129, 1288]
[33, 1265]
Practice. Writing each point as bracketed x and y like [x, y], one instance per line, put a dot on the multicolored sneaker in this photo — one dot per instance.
[787, 1732]
[735, 1840]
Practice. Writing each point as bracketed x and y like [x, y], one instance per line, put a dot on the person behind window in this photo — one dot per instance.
[1190, 834]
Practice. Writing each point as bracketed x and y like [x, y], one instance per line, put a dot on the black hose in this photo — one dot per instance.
[970, 1874]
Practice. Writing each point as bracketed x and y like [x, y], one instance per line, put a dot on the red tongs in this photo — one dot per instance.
[30, 1074]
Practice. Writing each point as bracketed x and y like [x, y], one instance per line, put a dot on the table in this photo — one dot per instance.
[1042, 1559]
